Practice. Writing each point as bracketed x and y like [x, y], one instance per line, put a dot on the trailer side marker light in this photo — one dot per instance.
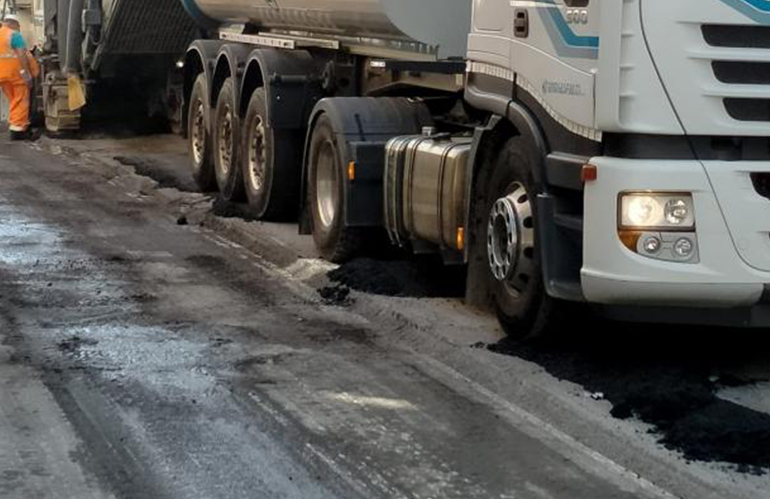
[461, 238]
[352, 170]
[589, 173]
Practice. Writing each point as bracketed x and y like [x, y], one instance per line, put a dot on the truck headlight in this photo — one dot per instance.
[657, 211]
[659, 225]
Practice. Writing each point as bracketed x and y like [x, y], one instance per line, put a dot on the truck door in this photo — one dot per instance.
[554, 55]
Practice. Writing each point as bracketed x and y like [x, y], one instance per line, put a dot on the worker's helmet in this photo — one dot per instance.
[11, 18]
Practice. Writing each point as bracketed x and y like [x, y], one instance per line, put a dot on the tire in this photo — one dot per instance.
[326, 196]
[511, 240]
[271, 161]
[199, 136]
[226, 145]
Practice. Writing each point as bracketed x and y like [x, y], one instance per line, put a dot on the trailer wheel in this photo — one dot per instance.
[226, 165]
[326, 196]
[271, 162]
[511, 239]
[199, 137]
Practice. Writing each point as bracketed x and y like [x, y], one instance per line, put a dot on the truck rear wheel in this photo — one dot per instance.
[326, 196]
[271, 162]
[225, 132]
[511, 238]
[199, 137]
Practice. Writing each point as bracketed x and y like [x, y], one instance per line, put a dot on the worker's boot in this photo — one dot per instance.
[19, 135]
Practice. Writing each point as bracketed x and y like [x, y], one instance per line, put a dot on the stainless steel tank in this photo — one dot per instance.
[442, 24]
[425, 189]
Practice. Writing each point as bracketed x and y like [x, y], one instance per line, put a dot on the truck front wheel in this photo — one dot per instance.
[199, 137]
[326, 196]
[511, 240]
[226, 157]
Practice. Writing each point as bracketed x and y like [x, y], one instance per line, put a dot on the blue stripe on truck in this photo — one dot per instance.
[757, 10]
[566, 42]
[569, 36]
[763, 5]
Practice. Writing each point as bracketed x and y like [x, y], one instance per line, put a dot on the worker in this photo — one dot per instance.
[15, 75]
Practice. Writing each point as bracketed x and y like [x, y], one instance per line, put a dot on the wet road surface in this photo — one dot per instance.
[141, 358]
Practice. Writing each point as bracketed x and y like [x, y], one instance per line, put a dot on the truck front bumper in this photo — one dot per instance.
[614, 275]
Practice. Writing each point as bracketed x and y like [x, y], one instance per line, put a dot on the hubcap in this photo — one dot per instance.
[326, 184]
[226, 141]
[198, 135]
[257, 156]
[511, 239]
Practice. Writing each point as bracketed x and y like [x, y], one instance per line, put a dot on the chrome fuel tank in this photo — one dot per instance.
[442, 24]
[425, 189]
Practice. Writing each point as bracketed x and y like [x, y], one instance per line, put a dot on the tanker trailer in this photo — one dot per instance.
[269, 64]
[110, 57]
[499, 135]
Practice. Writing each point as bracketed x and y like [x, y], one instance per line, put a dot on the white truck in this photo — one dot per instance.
[608, 152]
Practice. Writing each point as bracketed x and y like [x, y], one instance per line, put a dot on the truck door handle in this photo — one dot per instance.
[521, 23]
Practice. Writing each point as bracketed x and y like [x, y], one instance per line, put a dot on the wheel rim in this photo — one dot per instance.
[198, 135]
[511, 240]
[226, 141]
[257, 156]
[326, 184]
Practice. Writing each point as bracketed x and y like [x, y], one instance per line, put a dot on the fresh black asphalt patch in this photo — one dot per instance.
[416, 277]
[668, 379]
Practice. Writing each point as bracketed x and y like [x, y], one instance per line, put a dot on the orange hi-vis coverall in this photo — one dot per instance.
[12, 83]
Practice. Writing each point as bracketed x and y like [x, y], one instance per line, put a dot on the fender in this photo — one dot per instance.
[342, 126]
[561, 267]
[291, 85]
[505, 112]
[231, 62]
[505, 109]
[199, 58]
[363, 126]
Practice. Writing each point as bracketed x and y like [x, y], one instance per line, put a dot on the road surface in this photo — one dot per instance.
[151, 349]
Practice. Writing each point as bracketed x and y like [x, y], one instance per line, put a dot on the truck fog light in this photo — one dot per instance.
[684, 248]
[652, 244]
[677, 211]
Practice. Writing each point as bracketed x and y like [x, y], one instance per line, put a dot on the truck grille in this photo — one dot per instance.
[717, 35]
[742, 73]
[747, 72]
[748, 109]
